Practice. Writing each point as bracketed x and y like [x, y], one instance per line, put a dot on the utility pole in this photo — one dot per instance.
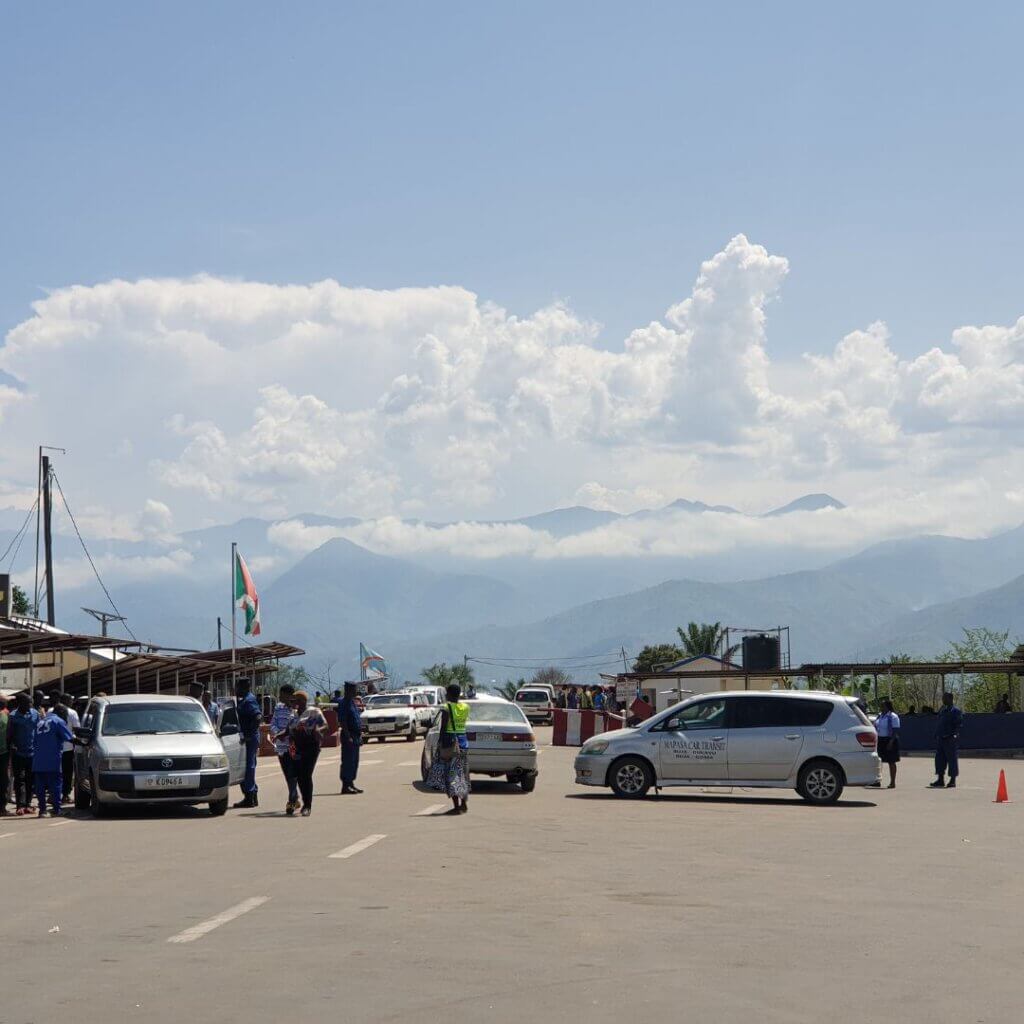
[220, 645]
[48, 539]
[104, 618]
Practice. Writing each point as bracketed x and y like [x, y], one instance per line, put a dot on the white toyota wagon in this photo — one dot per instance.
[815, 743]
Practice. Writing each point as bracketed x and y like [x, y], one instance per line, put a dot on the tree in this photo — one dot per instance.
[509, 687]
[657, 654]
[19, 601]
[705, 638]
[551, 677]
[444, 675]
[981, 692]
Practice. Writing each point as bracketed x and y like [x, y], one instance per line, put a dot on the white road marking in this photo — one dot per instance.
[408, 764]
[6, 835]
[431, 810]
[351, 851]
[199, 930]
[364, 763]
[63, 821]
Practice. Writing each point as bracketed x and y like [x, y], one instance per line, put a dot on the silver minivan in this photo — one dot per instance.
[815, 743]
[154, 749]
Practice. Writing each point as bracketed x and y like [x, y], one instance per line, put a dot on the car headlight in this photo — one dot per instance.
[116, 764]
[594, 747]
[214, 761]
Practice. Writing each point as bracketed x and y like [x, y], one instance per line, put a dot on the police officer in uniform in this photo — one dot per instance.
[249, 719]
[947, 743]
[350, 729]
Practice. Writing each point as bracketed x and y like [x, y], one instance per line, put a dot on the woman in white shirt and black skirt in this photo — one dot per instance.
[888, 728]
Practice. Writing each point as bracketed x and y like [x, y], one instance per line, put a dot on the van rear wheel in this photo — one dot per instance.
[820, 782]
[631, 778]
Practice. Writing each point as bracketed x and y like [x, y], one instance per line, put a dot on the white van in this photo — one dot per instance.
[815, 743]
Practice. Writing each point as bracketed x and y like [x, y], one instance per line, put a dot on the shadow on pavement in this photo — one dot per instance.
[695, 798]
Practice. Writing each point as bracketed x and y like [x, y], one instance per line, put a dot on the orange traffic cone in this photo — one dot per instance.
[1001, 795]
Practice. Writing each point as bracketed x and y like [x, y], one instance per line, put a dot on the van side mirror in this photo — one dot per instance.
[229, 729]
[82, 734]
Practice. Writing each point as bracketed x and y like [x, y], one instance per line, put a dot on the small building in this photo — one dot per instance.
[670, 683]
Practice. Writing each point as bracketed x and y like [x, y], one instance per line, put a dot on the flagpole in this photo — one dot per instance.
[234, 563]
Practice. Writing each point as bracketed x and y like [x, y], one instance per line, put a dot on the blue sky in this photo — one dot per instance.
[588, 151]
[828, 166]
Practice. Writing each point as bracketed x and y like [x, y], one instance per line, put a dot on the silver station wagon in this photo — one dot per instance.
[815, 743]
[154, 749]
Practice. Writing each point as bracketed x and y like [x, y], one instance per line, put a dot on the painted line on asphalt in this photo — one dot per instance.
[7, 835]
[57, 824]
[351, 851]
[199, 930]
[428, 812]
[363, 763]
[408, 764]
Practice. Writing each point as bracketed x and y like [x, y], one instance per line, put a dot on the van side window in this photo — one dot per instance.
[779, 712]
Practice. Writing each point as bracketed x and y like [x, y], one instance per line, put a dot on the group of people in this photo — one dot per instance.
[948, 722]
[587, 698]
[297, 729]
[37, 752]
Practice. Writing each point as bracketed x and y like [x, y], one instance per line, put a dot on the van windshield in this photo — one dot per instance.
[154, 720]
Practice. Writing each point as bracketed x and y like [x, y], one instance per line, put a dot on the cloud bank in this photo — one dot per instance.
[217, 398]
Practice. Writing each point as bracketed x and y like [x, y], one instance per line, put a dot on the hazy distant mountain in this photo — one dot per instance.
[920, 571]
[565, 522]
[808, 503]
[823, 611]
[928, 632]
[341, 593]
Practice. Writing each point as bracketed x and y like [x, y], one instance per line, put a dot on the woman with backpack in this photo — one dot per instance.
[305, 734]
[449, 773]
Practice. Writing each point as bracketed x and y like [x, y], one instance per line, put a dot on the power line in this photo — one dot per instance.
[96, 572]
[19, 537]
[484, 659]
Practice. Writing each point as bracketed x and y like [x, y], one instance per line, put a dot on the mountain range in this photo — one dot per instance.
[910, 595]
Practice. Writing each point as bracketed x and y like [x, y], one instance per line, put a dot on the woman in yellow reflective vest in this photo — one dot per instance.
[449, 773]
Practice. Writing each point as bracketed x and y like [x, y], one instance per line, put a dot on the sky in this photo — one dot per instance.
[477, 260]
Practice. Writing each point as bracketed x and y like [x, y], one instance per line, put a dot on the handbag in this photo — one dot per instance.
[447, 745]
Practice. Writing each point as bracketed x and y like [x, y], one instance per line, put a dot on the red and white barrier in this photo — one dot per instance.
[574, 728]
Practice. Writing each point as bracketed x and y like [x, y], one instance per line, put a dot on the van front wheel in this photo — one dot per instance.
[631, 778]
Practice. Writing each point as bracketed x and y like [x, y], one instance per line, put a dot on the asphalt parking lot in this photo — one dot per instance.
[725, 906]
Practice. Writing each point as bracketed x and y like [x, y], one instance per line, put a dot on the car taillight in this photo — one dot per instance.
[866, 739]
[517, 737]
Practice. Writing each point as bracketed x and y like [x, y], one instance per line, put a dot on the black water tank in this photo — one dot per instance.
[761, 652]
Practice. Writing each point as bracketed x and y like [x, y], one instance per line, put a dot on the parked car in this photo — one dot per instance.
[432, 695]
[395, 714]
[501, 742]
[815, 743]
[154, 749]
[536, 702]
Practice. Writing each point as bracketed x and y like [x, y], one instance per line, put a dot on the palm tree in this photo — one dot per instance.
[705, 638]
[444, 675]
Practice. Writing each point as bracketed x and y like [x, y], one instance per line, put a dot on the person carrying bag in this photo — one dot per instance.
[449, 773]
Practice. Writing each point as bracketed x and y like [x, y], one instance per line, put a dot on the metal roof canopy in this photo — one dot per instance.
[25, 641]
[152, 672]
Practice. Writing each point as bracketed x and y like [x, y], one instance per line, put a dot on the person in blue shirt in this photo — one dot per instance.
[249, 719]
[52, 733]
[947, 743]
[350, 729]
[21, 740]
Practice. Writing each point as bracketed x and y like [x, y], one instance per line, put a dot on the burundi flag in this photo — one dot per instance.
[371, 664]
[246, 598]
